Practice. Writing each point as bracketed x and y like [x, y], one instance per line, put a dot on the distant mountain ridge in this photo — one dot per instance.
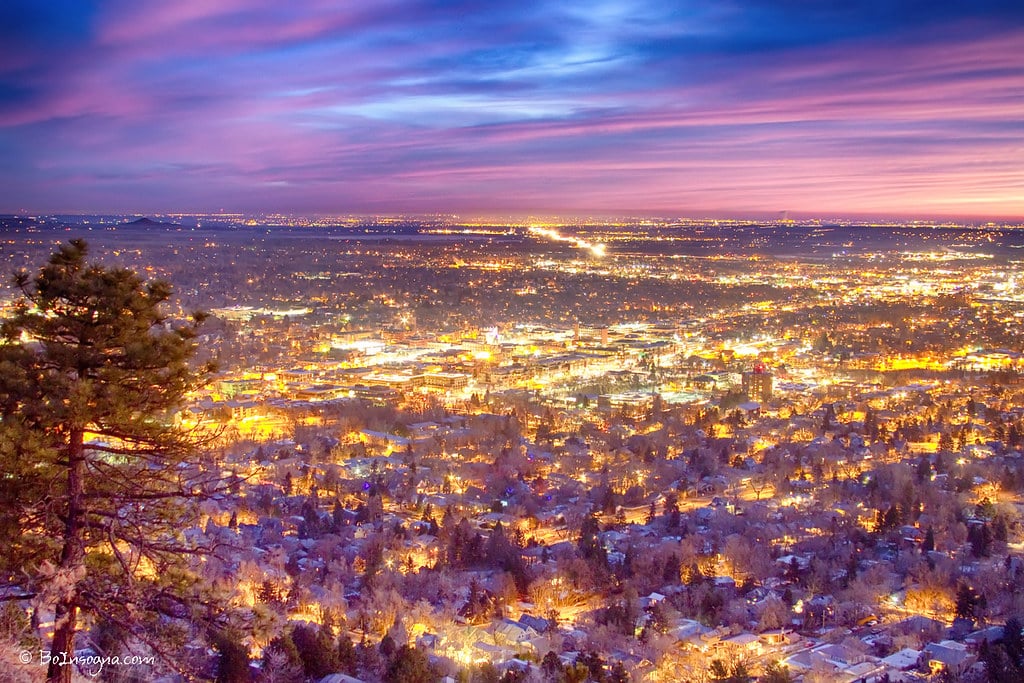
[146, 222]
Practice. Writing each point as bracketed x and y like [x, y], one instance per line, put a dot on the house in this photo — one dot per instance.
[904, 660]
[918, 624]
[725, 583]
[801, 661]
[651, 600]
[780, 638]
[840, 655]
[484, 651]
[429, 641]
[743, 645]
[974, 640]
[948, 654]
[383, 440]
[689, 631]
[340, 678]
[536, 623]
[863, 671]
[711, 637]
[241, 409]
[800, 562]
[508, 632]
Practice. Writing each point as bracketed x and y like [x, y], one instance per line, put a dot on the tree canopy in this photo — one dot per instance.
[97, 476]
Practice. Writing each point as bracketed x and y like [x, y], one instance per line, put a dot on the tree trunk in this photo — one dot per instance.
[72, 556]
[62, 648]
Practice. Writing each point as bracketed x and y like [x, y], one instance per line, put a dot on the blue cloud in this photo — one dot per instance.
[468, 102]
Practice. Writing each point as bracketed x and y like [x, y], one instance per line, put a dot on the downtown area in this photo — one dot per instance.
[441, 449]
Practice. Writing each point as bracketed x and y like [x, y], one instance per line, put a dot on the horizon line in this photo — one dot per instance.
[525, 218]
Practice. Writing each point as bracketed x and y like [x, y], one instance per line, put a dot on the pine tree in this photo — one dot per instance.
[97, 476]
[551, 665]
[233, 663]
[967, 602]
[317, 651]
[589, 543]
[924, 470]
[721, 672]
[281, 661]
[347, 660]
[409, 665]
[945, 442]
[776, 673]
[652, 514]
[929, 541]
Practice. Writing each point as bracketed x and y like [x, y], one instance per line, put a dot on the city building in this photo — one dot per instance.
[757, 383]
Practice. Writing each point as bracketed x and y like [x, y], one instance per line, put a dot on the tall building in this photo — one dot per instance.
[757, 383]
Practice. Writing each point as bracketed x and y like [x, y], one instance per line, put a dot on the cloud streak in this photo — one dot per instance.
[562, 107]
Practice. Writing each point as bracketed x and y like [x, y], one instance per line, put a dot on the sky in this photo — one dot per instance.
[555, 107]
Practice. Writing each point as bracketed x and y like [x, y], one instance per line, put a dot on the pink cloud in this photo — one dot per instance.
[847, 128]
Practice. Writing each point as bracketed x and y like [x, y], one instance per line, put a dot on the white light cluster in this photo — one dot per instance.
[595, 248]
